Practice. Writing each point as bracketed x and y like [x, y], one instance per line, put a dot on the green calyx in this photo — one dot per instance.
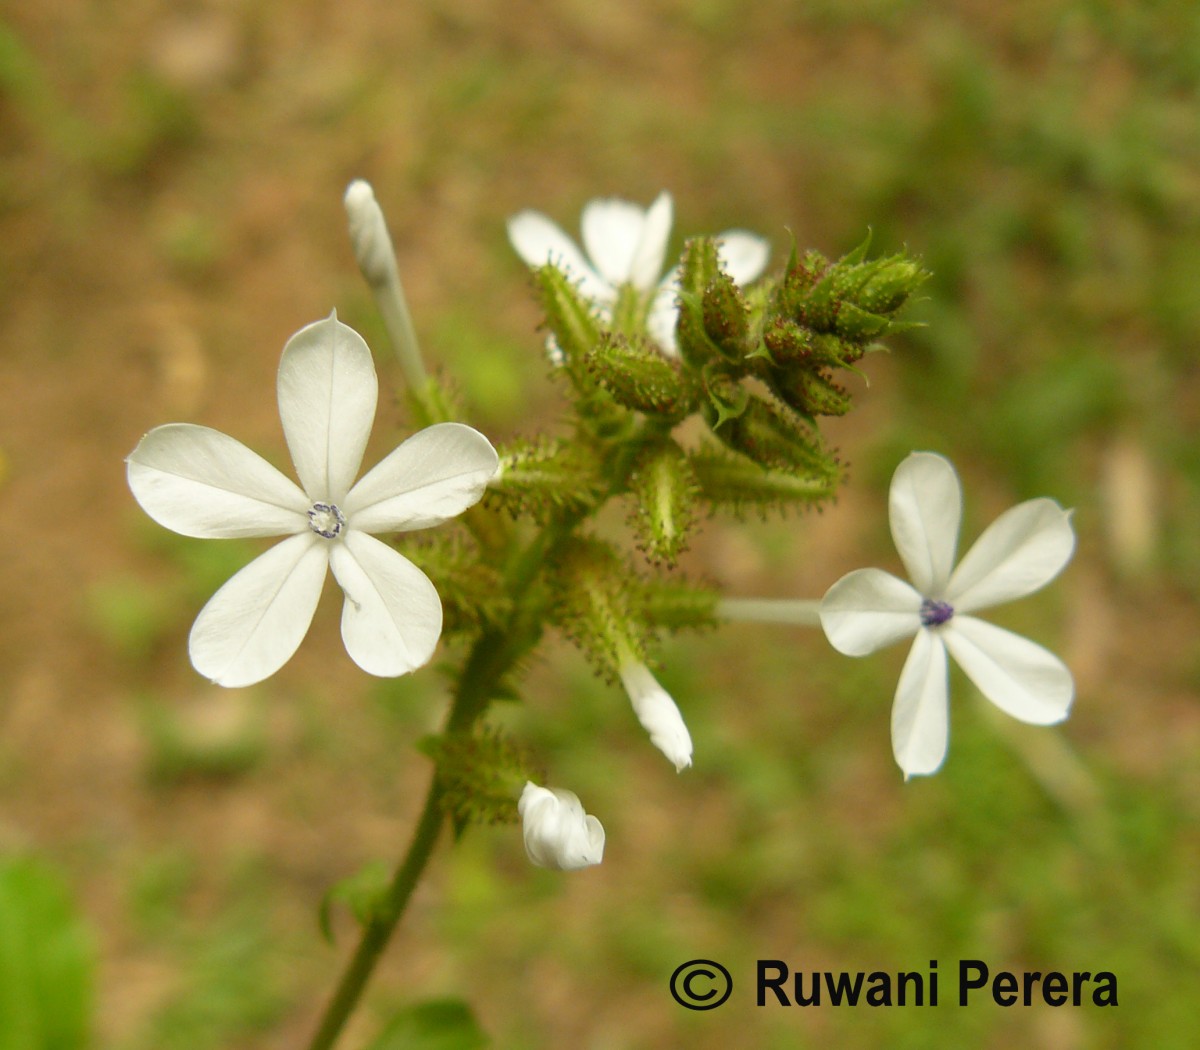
[639, 377]
[664, 490]
[481, 775]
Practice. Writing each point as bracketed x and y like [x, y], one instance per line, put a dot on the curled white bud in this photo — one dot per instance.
[658, 713]
[369, 234]
[558, 833]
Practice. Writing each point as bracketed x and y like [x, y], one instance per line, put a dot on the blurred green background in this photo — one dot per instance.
[170, 211]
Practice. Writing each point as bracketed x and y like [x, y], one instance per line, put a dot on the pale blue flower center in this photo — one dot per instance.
[934, 613]
[325, 519]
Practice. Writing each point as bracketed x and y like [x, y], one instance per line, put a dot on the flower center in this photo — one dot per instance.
[325, 519]
[934, 614]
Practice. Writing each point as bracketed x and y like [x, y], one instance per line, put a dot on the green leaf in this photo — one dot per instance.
[435, 1024]
[363, 893]
[46, 961]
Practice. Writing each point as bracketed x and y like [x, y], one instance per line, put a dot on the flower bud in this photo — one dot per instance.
[810, 391]
[369, 235]
[699, 268]
[773, 437]
[658, 713]
[726, 317]
[558, 833]
[640, 378]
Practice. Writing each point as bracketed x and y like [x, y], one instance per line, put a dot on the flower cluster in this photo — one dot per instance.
[642, 350]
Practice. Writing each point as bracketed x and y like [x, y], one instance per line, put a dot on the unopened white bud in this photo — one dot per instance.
[558, 833]
[658, 713]
[369, 234]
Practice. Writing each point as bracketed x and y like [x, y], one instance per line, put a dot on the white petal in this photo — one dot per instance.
[664, 313]
[646, 267]
[743, 255]
[1017, 675]
[921, 710]
[538, 241]
[392, 617]
[251, 627]
[925, 510]
[1019, 553]
[437, 473]
[612, 230]
[868, 609]
[558, 833]
[200, 482]
[658, 714]
[327, 394]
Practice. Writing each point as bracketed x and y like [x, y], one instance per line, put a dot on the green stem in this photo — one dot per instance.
[379, 930]
[493, 654]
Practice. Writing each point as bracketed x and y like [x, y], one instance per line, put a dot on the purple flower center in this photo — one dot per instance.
[325, 519]
[934, 614]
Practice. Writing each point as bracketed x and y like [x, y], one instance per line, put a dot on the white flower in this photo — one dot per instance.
[626, 246]
[200, 482]
[1019, 553]
[558, 833]
[658, 713]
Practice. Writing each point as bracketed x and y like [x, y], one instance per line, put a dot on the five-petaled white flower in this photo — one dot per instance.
[626, 247]
[200, 482]
[558, 833]
[1020, 552]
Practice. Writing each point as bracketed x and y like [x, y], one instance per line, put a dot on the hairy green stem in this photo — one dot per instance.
[494, 653]
[378, 931]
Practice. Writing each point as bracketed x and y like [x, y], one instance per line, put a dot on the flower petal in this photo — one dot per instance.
[743, 254]
[1017, 675]
[437, 473]
[869, 609]
[251, 627]
[327, 394]
[1019, 553]
[558, 833]
[925, 510]
[392, 617]
[658, 714]
[539, 241]
[921, 710]
[664, 313]
[645, 269]
[200, 482]
[612, 230]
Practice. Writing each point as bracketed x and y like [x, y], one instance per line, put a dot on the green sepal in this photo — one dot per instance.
[726, 317]
[727, 398]
[773, 436]
[470, 588]
[735, 483]
[572, 321]
[544, 478]
[570, 317]
[664, 509]
[698, 268]
[595, 590]
[812, 392]
[364, 893]
[640, 377]
[480, 774]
